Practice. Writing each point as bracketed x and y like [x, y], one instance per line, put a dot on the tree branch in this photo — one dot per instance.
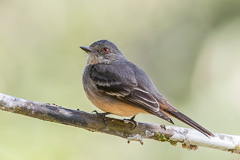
[188, 137]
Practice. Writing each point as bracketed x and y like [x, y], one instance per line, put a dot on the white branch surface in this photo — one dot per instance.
[189, 138]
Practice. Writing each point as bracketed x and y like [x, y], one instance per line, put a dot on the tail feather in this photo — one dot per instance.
[180, 116]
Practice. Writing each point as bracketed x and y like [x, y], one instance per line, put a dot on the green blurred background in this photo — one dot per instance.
[190, 49]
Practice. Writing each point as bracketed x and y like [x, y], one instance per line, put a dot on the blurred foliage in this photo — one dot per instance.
[191, 50]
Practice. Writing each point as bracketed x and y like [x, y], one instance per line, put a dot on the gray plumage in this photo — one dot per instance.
[118, 86]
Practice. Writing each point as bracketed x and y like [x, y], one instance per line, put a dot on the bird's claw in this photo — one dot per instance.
[131, 120]
[102, 115]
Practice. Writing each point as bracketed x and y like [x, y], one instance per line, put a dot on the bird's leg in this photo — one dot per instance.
[102, 115]
[131, 120]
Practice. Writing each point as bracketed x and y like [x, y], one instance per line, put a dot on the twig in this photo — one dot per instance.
[188, 137]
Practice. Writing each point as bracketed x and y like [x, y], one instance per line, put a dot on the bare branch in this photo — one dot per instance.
[188, 137]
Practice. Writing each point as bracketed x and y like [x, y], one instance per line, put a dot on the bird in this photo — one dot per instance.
[117, 86]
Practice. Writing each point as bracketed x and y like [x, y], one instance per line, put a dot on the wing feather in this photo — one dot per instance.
[120, 82]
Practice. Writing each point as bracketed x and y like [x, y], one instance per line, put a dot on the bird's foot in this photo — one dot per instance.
[131, 120]
[102, 115]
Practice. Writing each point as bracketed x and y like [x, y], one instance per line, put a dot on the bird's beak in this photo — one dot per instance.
[86, 49]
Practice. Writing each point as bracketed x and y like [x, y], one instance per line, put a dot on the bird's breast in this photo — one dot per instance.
[105, 102]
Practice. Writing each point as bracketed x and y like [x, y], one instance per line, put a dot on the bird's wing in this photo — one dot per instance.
[120, 82]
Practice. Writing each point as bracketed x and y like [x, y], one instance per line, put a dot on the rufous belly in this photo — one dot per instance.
[118, 108]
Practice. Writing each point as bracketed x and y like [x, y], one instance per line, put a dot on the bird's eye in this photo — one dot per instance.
[105, 50]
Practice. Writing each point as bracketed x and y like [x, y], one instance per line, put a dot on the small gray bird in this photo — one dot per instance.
[118, 86]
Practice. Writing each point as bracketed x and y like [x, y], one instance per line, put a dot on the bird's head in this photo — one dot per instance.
[102, 51]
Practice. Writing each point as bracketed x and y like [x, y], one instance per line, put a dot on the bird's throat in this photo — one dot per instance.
[92, 59]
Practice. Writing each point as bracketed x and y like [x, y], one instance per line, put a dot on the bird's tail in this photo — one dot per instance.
[180, 116]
